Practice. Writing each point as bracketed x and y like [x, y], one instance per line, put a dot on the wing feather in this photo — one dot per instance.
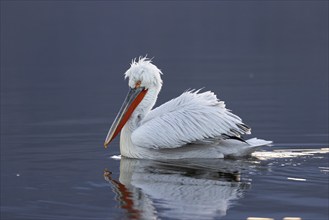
[189, 118]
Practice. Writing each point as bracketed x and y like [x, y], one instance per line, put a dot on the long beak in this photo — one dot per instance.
[134, 97]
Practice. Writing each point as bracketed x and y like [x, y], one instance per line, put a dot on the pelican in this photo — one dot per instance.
[194, 125]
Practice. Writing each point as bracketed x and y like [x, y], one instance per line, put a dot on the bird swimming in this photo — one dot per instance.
[194, 125]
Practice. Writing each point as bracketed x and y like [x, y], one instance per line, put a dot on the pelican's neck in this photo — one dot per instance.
[144, 107]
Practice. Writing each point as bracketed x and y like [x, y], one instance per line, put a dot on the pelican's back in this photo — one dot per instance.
[191, 117]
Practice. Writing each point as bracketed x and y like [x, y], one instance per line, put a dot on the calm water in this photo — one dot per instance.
[62, 68]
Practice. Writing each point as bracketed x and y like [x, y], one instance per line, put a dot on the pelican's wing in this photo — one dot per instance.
[189, 118]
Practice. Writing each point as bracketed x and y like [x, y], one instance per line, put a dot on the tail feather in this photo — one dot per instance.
[255, 142]
[236, 148]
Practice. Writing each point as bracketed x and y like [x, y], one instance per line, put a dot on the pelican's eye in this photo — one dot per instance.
[138, 84]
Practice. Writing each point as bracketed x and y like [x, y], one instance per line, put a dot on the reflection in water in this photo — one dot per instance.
[184, 190]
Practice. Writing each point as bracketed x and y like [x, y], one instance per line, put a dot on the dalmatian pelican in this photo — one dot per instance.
[194, 125]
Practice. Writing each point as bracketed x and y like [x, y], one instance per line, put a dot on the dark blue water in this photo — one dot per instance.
[62, 66]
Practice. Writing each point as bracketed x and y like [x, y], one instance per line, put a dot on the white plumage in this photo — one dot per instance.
[186, 119]
[194, 125]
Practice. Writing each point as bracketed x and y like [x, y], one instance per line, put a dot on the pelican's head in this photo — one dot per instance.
[143, 73]
[144, 78]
